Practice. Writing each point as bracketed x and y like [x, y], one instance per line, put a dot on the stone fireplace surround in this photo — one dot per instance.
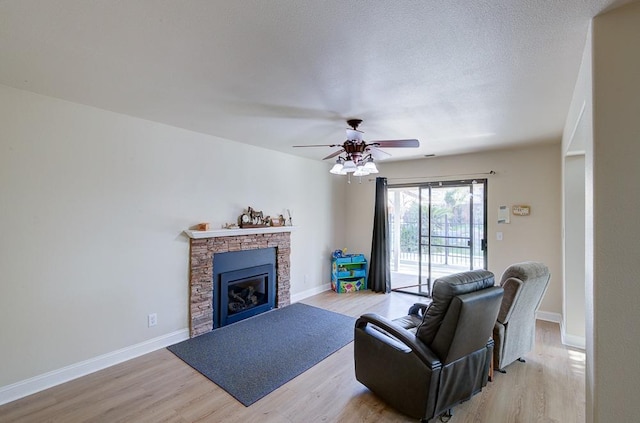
[204, 244]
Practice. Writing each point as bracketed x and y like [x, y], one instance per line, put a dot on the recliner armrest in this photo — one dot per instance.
[402, 336]
[419, 309]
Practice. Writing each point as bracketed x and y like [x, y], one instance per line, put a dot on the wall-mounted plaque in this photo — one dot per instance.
[521, 210]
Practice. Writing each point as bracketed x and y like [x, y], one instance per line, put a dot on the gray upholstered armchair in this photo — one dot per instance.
[514, 332]
[446, 361]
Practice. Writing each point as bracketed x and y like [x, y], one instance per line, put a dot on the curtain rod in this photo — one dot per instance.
[491, 172]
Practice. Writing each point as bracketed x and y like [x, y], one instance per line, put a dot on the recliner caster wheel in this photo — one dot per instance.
[502, 371]
[447, 415]
[521, 360]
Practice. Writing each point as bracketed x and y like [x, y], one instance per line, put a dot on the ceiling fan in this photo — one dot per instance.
[358, 157]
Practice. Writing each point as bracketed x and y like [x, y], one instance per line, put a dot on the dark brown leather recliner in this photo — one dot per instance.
[446, 361]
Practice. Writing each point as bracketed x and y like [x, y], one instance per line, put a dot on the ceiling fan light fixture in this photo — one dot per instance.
[355, 154]
[361, 170]
[337, 168]
[349, 166]
[370, 166]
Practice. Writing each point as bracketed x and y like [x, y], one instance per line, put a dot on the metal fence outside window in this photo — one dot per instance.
[449, 242]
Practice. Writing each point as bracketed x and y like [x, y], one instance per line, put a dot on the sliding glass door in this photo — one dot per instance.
[436, 229]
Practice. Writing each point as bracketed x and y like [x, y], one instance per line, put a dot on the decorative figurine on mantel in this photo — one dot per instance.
[252, 219]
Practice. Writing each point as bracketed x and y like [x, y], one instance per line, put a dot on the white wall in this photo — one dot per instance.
[92, 209]
[577, 134]
[524, 176]
[573, 324]
[613, 230]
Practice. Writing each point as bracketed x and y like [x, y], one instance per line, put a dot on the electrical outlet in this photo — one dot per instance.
[152, 319]
[498, 236]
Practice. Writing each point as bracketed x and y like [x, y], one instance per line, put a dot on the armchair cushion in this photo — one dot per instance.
[444, 289]
[412, 320]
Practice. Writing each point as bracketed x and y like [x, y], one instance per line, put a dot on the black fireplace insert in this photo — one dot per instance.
[244, 285]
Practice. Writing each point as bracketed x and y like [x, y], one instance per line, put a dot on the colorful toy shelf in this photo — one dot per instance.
[349, 273]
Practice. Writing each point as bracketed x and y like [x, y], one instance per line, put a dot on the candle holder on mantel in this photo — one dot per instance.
[276, 221]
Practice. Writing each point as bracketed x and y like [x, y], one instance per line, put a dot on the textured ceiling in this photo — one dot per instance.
[461, 76]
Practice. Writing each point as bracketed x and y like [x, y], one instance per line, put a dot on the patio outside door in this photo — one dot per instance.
[436, 229]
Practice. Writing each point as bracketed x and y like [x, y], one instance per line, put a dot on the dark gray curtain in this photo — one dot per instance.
[379, 272]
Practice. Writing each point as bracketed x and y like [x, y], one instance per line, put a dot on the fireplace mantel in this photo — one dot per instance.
[236, 232]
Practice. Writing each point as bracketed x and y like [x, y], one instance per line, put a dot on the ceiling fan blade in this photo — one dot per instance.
[335, 153]
[318, 145]
[413, 143]
[378, 154]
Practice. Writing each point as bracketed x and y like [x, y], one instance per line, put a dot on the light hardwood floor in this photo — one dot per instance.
[159, 387]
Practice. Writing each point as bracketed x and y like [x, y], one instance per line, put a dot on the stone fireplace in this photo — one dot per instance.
[204, 245]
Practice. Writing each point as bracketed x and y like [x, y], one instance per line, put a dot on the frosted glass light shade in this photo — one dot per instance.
[370, 167]
[361, 171]
[349, 166]
[337, 169]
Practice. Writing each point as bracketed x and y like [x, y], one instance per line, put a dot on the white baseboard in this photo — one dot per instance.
[309, 292]
[549, 316]
[579, 342]
[573, 341]
[41, 382]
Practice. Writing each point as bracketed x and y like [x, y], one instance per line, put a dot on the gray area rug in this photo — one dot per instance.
[253, 357]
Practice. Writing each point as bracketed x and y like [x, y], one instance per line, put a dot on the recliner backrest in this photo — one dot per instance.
[445, 289]
[468, 324]
[524, 284]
